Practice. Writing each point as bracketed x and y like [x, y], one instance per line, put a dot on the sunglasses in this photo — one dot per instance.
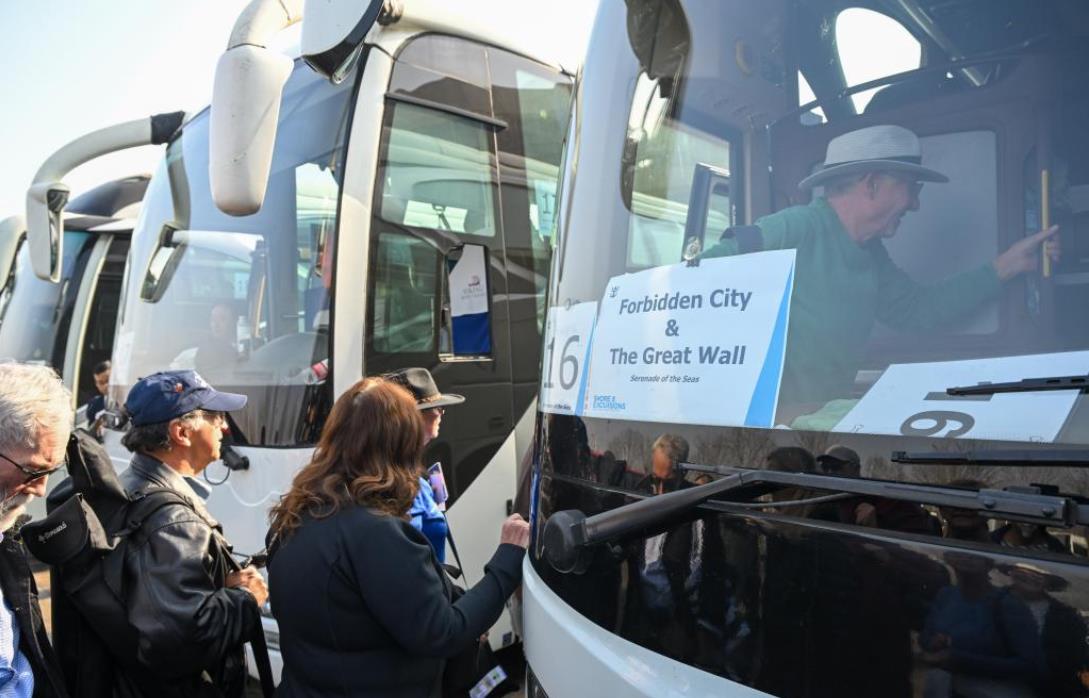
[33, 474]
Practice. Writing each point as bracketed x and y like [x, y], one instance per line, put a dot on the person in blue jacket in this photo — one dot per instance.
[427, 511]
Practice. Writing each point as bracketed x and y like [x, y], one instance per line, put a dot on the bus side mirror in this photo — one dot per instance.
[467, 306]
[45, 203]
[164, 262]
[249, 83]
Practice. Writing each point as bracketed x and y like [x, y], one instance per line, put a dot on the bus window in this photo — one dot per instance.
[405, 289]
[660, 155]
[535, 102]
[871, 46]
[438, 172]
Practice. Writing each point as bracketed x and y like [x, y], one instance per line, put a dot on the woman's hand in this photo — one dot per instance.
[515, 531]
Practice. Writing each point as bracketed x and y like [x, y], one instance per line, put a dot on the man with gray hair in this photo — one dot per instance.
[844, 280]
[35, 423]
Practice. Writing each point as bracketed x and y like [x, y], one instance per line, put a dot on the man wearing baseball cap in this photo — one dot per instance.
[844, 280]
[193, 608]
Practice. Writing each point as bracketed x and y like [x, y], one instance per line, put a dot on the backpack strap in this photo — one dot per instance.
[749, 238]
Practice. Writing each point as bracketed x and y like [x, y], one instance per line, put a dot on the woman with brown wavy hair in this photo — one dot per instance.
[363, 607]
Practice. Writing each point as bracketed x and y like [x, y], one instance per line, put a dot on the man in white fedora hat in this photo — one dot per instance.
[844, 279]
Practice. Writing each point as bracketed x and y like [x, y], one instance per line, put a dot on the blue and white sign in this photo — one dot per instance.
[469, 302]
[910, 400]
[692, 344]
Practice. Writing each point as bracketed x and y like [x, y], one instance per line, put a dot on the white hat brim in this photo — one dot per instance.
[920, 173]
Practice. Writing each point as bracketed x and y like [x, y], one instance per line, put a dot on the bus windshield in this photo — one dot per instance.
[807, 252]
[901, 245]
[34, 313]
[245, 301]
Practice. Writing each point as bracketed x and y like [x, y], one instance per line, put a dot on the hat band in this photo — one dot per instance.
[430, 398]
[910, 159]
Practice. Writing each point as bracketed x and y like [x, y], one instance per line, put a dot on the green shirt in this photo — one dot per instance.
[840, 289]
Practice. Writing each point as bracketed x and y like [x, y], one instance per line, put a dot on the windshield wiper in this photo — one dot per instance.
[1069, 458]
[1028, 385]
[569, 534]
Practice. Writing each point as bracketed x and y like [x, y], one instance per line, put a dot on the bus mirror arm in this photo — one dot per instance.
[569, 534]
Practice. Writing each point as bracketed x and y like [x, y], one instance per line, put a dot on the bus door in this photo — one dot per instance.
[94, 319]
[437, 282]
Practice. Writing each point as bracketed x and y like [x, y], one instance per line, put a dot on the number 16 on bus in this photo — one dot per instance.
[567, 344]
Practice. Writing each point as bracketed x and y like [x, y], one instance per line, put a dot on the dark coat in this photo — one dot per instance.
[364, 609]
[192, 629]
[21, 593]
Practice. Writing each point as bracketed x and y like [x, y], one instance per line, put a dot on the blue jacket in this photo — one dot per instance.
[428, 519]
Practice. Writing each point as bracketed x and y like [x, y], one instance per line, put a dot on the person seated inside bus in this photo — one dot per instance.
[665, 453]
[845, 281]
[218, 349]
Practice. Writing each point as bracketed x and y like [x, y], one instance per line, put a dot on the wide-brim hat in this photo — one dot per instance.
[884, 148]
[419, 382]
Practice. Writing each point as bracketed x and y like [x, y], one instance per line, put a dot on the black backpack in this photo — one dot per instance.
[84, 539]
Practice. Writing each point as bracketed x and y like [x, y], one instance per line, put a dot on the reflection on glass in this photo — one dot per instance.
[32, 327]
[245, 300]
[439, 172]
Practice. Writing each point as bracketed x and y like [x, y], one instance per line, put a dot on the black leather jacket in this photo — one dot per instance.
[21, 593]
[192, 629]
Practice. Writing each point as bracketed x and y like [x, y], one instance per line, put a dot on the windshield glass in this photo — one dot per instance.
[894, 251]
[245, 301]
[747, 280]
[33, 323]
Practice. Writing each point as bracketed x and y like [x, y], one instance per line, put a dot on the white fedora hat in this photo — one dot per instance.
[885, 148]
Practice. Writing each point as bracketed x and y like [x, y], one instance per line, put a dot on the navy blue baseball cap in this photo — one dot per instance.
[167, 395]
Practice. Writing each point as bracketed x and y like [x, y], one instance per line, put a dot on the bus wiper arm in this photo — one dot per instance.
[569, 534]
[1028, 385]
[1066, 458]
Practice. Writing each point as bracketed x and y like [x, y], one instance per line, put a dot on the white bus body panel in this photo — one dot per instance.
[354, 223]
[572, 656]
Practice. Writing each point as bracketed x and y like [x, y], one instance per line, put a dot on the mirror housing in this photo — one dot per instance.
[48, 195]
[245, 111]
[333, 32]
[45, 203]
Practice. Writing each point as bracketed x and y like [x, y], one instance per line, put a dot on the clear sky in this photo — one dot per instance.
[72, 67]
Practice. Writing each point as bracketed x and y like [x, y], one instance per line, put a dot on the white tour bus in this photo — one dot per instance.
[386, 201]
[808, 427]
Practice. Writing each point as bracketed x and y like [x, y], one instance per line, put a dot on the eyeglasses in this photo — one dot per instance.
[439, 410]
[207, 415]
[915, 187]
[33, 474]
[214, 417]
